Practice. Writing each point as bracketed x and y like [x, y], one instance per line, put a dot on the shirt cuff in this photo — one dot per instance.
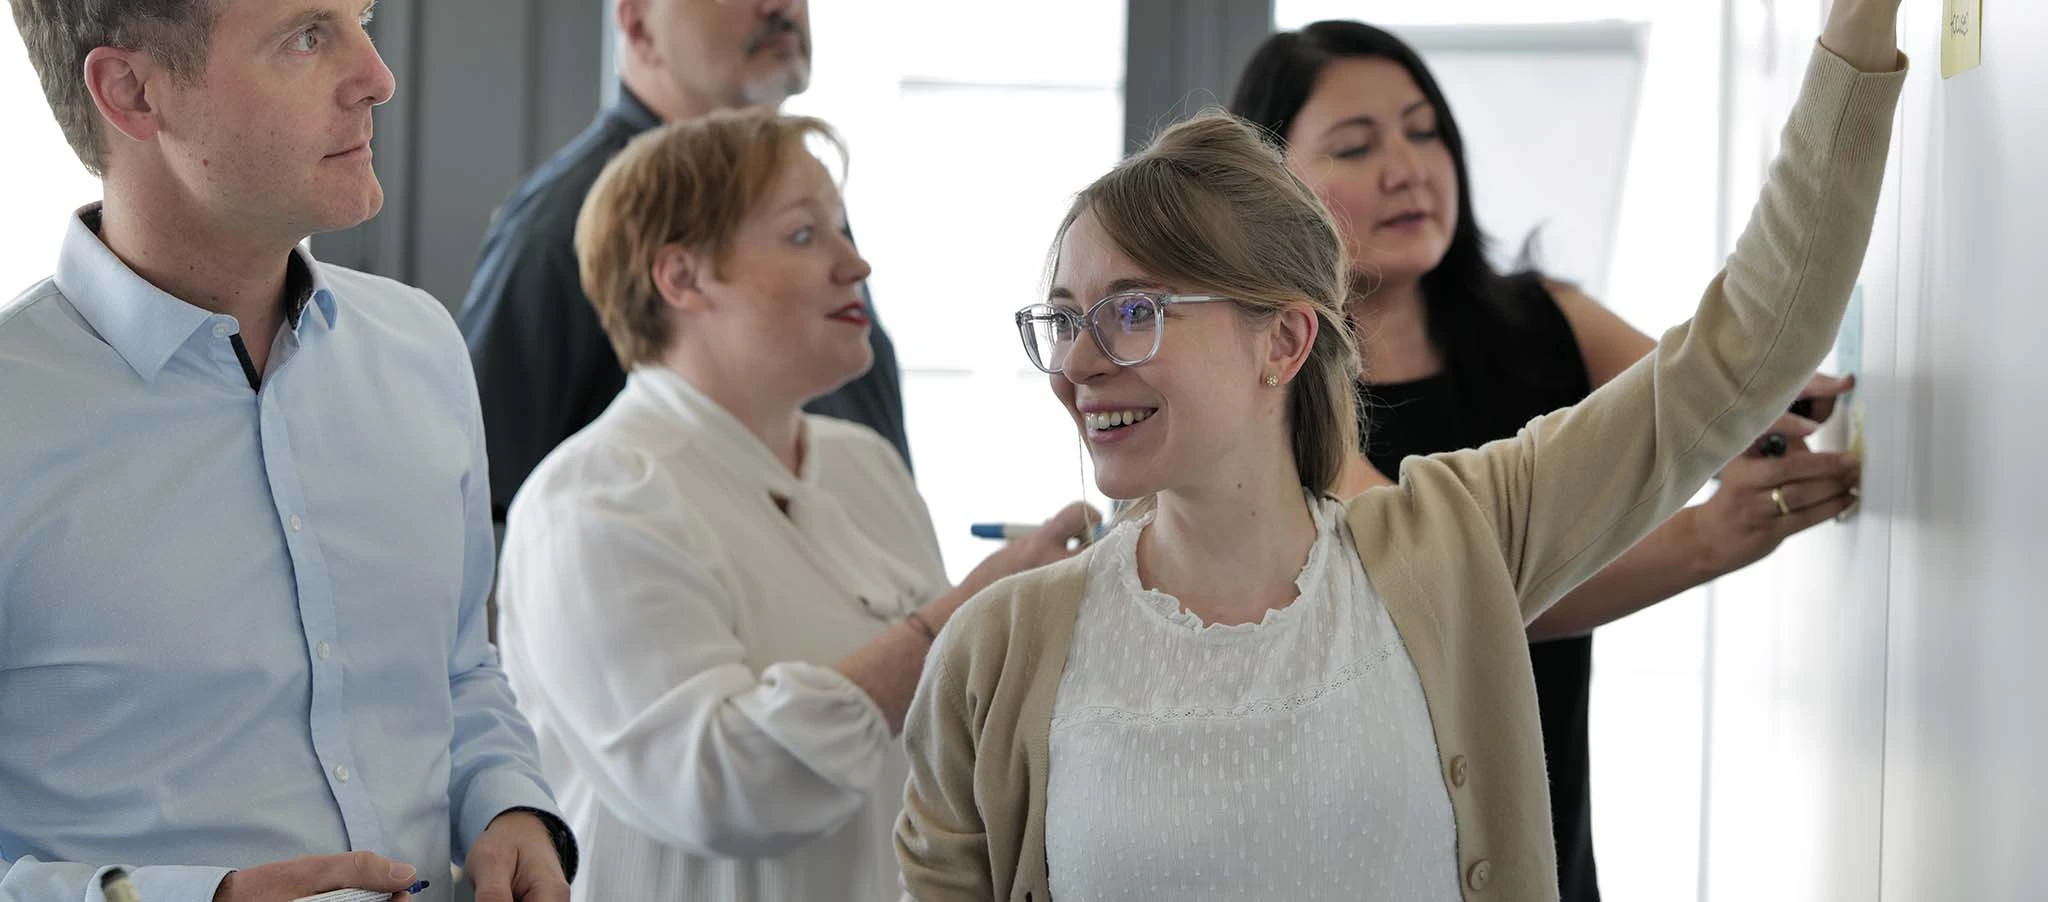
[170, 882]
[493, 793]
[559, 833]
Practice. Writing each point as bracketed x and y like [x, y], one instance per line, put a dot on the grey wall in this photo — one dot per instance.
[487, 90]
[1184, 55]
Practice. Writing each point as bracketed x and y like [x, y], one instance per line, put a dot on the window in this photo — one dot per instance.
[45, 180]
[968, 136]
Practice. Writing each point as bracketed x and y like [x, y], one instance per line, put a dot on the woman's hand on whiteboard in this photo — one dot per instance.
[1763, 501]
[1864, 33]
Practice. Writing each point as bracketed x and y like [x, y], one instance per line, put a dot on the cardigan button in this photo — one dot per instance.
[1461, 770]
[1480, 875]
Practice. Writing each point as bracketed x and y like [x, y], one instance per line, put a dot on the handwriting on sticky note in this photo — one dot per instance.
[1962, 37]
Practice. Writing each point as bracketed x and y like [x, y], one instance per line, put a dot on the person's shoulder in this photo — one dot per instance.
[528, 258]
[381, 295]
[1017, 620]
[853, 450]
[848, 440]
[44, 341]
[1530, 291]
[27, 319]
[632, 455]
[599, 467]
[404, 312]
[396, 323]
[1434, 505]
[1426, 488]
[542, 210]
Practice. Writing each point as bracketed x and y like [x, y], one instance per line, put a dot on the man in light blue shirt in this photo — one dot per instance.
[245, 530]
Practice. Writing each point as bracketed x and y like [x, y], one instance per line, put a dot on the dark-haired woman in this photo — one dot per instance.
[1458, 354]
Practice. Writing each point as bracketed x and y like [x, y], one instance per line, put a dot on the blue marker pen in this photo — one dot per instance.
[1004, 532]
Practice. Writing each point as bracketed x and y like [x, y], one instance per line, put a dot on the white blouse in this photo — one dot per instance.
[670, 632]
[1291, 758]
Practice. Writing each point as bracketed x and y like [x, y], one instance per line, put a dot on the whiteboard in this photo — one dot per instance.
[1548, 113]
[1879, 712]
[1966, 803]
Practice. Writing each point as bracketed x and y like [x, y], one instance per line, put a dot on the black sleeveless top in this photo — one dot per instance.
[1502, 371]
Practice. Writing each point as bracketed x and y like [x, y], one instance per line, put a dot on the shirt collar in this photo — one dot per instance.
[633, 111]
[730, 442]
[143, 323]
[320, 292]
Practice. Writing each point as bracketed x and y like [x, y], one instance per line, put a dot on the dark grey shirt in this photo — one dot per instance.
[544, 368]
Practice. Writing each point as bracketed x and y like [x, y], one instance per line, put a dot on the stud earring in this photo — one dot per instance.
[1272, 379]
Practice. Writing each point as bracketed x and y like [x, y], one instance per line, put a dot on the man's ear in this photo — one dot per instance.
[1292, 336]
[121, 82]
[631, 18]
[677, 276]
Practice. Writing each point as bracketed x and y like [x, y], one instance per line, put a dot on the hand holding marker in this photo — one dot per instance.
[1003, 532]
[358, 895]
[1815, 406]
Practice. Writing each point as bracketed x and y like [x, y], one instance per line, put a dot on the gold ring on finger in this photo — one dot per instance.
[1778, 498]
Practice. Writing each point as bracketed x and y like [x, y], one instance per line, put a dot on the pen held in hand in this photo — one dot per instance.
[359, 895]
[1004, 532]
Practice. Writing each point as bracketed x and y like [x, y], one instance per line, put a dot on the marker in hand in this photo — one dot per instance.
[1003, 532]
[359, 895]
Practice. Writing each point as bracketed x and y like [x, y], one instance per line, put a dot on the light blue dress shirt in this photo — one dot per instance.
[241, 625]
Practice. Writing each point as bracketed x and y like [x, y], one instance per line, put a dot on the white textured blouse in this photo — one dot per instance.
[670, 633]
[1287, 759]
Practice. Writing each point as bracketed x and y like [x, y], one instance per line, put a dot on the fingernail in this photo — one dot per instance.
[403, 872]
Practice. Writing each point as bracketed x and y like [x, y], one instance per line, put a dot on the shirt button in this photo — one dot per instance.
[341, 774]
[323, 650]
[297, 524]
[221, 330]
[1480, 875]
[1460, 770]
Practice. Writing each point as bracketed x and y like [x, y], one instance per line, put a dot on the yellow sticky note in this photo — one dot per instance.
[1962, 37]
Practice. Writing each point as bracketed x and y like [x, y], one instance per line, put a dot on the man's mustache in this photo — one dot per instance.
[776, 26]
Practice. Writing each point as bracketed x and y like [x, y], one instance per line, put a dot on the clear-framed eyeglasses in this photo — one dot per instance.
[1128, 327]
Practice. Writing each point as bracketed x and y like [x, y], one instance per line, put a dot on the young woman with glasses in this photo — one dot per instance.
[1249, 690]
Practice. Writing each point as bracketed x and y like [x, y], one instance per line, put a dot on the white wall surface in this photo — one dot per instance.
[1966, 803]
[1877, 714]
